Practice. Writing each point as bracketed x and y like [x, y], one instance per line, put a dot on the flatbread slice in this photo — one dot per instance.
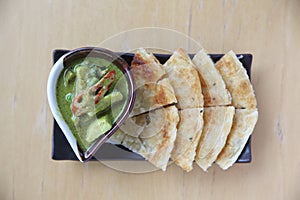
[243, 125]
[145, 125]
[151, 96]
[237, 81]
[212, 84]
[157, 146]
[185, 80]
[145, 68]
[217, 125]
[188, 135]
[153, 90]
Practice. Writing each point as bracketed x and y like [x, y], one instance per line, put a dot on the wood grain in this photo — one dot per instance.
[30, 30]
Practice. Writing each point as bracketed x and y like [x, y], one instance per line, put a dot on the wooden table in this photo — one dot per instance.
[30, 30]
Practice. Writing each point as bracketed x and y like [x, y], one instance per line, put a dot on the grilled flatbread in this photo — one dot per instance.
[212, 84]
[155, 146]
[153, 95]
[188, 135]
[243, 124]
[237, 81]
[152, 89]
[217, 125]
[185, 80]
[145, 125]
[145, 68]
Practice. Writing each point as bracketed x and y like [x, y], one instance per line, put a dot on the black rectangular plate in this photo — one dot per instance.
[61, 149]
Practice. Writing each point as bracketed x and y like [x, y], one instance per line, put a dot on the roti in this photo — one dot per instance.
[212, 84]
[152, 89]
[151, 96]
[188, 135]
[217, 125]
[145, 68]
[145, 125]
[243, 125]
[159, 129]
[237, 81]
[184, 79]
[155, 146]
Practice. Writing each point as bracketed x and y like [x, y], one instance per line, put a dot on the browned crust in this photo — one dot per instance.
[237, 81]
[141, 69]
[217, 125]
[161, 97]
[208, 99]
[244, 122]
[213, 86]
[185, 80]
[188, 135]
[148, 73]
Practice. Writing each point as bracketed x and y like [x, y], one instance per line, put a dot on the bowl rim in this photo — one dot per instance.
[54, 74]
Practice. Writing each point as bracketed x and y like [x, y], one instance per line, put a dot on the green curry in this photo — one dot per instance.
[91, 94]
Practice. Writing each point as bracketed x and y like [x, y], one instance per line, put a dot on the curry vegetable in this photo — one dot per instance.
[91, 95]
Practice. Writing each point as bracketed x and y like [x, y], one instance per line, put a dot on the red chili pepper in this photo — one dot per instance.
[102, 86]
